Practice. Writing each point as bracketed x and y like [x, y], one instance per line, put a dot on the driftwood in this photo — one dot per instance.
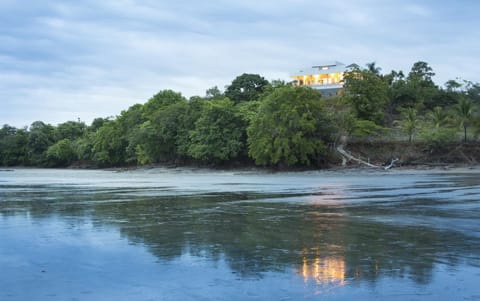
[392, 164]
[346, 157]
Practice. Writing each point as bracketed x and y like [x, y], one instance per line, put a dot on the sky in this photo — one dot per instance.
[69, 60]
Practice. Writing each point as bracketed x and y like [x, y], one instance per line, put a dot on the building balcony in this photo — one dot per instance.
[326, 86]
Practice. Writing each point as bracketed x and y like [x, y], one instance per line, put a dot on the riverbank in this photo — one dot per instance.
[463, 157]
[415, 155]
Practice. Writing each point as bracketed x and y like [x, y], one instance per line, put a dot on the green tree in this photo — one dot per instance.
[421, 86]
[291, 127]
[444, 98]
[464, 114]
[7, 134]
[246, 87]
[83, 146]
[409, 123]
[452, 85]
[156, 140]
[41, 137]
[421, 71]
[13, 146]
[401, 92]
[113, 150]
[214, 93]
[194, 110]
[159, 101]
[97, 123]
[367, 93]
[417, 90]
[350, 126]
[472, 91]
[143, 144]
[61, 153]
[373, 68]
[70, 130]
[217, 134]
[109, 145]
[439, 117]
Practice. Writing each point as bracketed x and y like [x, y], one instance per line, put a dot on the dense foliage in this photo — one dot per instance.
[257, 122]
[291, 127]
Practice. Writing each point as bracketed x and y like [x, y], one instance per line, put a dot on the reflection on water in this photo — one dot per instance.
[328, 270]
[176, 234]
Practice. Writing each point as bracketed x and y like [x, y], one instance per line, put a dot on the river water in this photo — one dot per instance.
[179, 234]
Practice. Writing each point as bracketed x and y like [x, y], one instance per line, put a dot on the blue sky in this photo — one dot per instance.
[64, 60]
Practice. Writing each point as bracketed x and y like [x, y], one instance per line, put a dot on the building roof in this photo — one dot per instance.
[334, 67]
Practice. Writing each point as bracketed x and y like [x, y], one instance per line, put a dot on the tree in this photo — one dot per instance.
[40, 137]
[195, 108]
[401, 92]
[124, 127]
[452, 85]
[70, 130]
[109, 145]
[83, 146]
[291, 127]
[444, 98]
[350, 126]
[246, 87]
[438, 117]
[367, 93]
[472, 91]
[421, 71]
[217, 133]
[97, 123]
[372, 67]
[167, 125]
[464, 114]
[214, 92]
[409, 123]
[143, 144]
[161, 100]
[61, 153]
[13, 146]
[421, 86]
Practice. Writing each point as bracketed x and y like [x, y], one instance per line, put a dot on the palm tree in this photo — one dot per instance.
[409, 122]
[438, 117]
[465, 114]
[373, 68]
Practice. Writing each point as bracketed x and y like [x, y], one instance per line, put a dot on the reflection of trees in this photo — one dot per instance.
[320, 242]
[256, 237]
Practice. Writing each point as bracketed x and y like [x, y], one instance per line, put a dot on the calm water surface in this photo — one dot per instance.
[163, 234]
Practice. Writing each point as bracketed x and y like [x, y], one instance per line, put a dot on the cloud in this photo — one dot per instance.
[67, 60]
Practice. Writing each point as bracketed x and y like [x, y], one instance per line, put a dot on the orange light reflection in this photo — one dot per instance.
[327, 270]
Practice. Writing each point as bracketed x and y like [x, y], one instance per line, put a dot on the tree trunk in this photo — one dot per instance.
[350, 157]
[465, 133]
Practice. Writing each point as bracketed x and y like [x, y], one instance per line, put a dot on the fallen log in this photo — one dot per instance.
[348, 156]
[392, 164]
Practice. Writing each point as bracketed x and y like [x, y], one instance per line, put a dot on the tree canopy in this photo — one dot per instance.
[246, 87]
[291, 127]
[367, 93]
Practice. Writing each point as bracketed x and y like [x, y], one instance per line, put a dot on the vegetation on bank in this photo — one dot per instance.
[259, 122]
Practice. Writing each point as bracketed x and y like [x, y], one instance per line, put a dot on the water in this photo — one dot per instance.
[182, 234]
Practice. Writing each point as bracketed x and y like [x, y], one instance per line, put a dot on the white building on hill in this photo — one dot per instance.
[327, 78]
